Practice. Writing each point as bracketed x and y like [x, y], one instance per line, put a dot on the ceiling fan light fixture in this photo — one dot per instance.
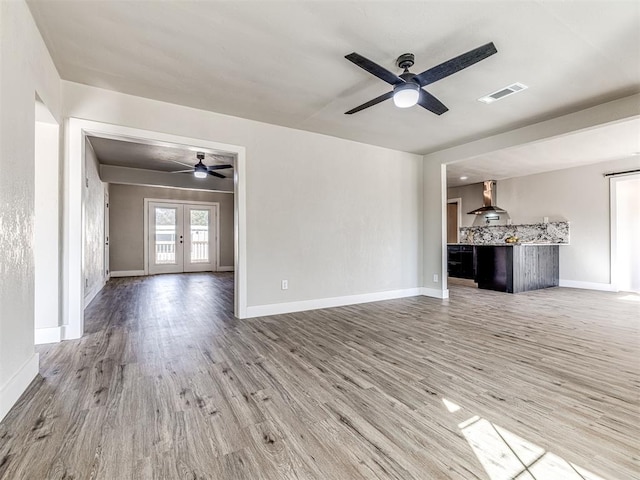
[200, 170]
[406, 95]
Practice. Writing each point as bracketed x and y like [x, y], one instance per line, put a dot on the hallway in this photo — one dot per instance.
[166, 384]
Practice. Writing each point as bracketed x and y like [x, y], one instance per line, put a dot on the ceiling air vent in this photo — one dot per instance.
[503, 92]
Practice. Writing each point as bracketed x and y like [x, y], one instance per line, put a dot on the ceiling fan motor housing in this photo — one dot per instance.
[405, 61]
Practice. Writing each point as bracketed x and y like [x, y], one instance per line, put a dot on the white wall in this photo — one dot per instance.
[434, 235]
[581, 196]
[94, 240]
[46, 231]
[333, 217]
[25, 68]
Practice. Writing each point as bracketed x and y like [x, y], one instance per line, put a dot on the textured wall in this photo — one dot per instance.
[94, 272]
[126, 224]
[25, 68]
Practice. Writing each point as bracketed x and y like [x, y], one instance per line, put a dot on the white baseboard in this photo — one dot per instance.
[91, 294]
[71, 332]
[301, 306]
[605, 287]
[435, 293]
[10, 392]
[225, 269]
[127, 273]
[48, 335]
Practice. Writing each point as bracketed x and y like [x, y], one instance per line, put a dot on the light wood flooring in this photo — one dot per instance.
[166, 384]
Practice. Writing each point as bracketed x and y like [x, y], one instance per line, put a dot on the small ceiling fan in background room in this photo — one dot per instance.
[200, 170]
[407, 87]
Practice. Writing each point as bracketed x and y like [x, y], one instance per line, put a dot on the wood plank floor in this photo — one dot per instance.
[166, 384]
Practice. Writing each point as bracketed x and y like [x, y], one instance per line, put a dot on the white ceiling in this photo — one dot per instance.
[282, 62]
[164, 158]
[609, 142]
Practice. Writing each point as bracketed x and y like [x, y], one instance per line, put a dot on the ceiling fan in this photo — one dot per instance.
[200, 170]
[407, 87]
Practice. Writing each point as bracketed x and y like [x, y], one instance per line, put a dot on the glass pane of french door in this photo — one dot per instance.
[199, 235]
[166, 229]
[165, 238]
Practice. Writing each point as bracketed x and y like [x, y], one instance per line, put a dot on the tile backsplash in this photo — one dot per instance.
[553, 232]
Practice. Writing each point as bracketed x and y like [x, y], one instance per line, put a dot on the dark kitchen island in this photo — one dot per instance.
[514, 268]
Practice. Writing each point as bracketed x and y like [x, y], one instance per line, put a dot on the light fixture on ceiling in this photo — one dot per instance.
[406, 95]
[463, 178]
[200, 170]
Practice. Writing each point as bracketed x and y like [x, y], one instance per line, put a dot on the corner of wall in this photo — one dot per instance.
[11, 391]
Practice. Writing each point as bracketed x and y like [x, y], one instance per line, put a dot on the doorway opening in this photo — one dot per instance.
[78, 130]
[625, 232]
[46, 227]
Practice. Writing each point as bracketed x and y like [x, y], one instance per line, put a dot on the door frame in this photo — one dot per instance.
[216, 244]
[457, 200]
[107, 247]
[76, 130]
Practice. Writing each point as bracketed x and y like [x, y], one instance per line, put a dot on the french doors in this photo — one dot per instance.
[182, 237]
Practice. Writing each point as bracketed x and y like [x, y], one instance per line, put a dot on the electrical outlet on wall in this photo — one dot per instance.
[285, 284]
[435, 278]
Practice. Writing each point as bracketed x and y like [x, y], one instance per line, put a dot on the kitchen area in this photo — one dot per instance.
[495, 253]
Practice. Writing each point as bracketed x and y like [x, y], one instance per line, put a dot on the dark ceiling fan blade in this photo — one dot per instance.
[431, 103]
[184, 171]
[219, 167]
[370, 103]
[374, 69]
[455, 64]
[216, 174]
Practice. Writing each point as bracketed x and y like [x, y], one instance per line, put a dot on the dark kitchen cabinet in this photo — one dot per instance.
[460, 261]
[517, 268]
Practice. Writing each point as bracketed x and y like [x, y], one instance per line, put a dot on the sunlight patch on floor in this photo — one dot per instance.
[632, 297]
[507, 456]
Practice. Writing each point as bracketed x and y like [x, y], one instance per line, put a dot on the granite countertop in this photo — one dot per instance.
[504, 244]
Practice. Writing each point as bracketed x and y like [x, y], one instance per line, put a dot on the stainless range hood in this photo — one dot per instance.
[489, 200]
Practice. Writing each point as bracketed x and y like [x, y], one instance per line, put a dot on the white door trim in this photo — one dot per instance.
[73, 222]
[457, 200]
[216, 244]
[107, 263]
